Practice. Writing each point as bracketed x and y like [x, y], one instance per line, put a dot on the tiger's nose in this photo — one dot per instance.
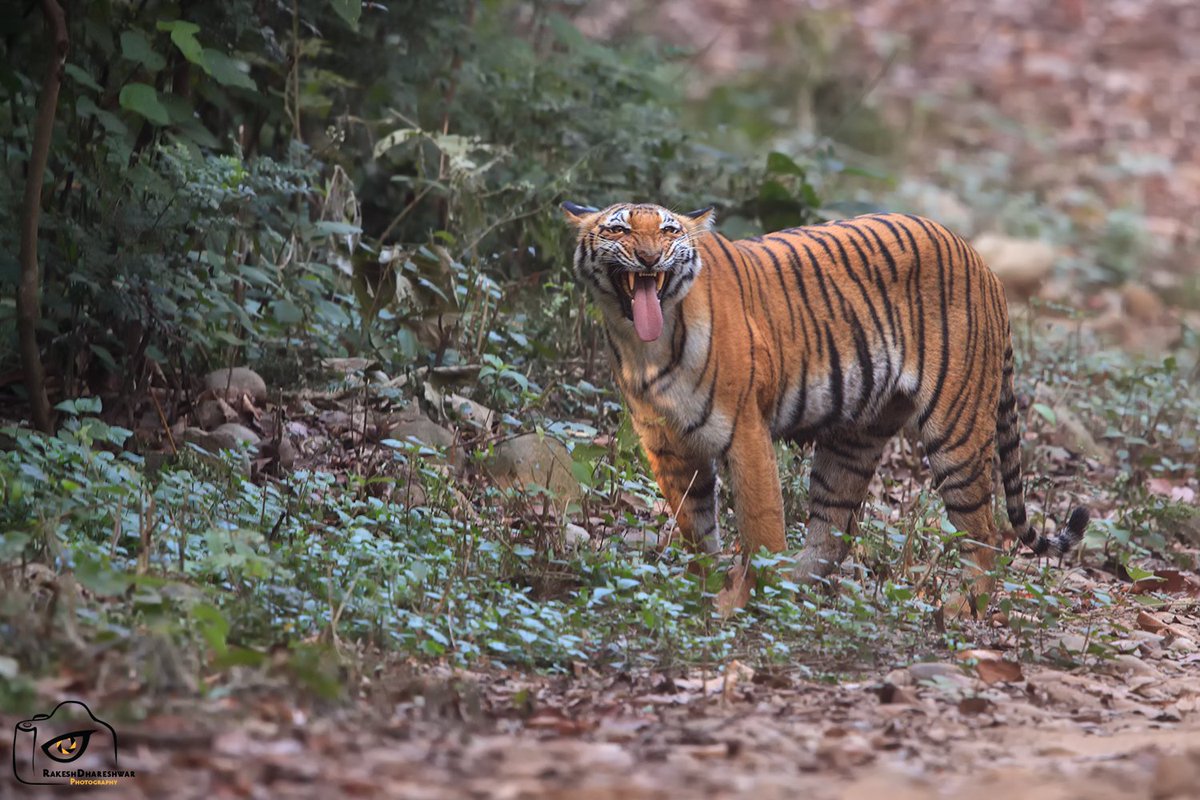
[646, 259]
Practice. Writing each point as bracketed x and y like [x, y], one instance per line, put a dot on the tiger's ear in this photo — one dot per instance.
[576, 214]
[703, 218]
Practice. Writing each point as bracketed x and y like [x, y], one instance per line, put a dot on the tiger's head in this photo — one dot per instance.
[637, 258]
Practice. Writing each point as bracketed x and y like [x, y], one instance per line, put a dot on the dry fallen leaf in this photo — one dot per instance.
[739, 582]
[974, 705]
[708, 751]
[991, 666]
[999, 671]
[891, 694]
[556, 721]
[1148, 622]
[724, 684]
[1168, 581]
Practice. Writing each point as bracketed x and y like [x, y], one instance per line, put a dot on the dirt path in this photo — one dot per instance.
[1123, 727]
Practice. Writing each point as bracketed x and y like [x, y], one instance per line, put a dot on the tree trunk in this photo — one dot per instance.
[29, 290]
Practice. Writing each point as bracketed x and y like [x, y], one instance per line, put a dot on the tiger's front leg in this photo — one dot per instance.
[757, 497]
[758, 504]
[688, 483]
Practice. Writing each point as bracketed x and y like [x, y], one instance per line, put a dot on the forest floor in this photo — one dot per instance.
[1122, 728]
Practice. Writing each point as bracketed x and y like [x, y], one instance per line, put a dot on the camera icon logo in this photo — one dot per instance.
[70, 745]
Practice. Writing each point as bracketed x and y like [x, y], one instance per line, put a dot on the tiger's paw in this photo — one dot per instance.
[813, 566]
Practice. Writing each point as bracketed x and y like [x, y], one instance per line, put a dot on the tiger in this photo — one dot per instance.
[835, 335]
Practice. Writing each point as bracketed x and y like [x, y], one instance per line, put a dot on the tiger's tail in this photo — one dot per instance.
[1008, 441]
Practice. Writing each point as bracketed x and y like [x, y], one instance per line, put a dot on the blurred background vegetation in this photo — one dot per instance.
[225, 178]
[280, 184]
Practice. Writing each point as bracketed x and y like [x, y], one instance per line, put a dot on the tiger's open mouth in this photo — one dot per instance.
[641, 302]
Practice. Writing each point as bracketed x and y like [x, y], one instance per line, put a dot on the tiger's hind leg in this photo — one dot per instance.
[844, 461]
[842, 468]
[963, 476]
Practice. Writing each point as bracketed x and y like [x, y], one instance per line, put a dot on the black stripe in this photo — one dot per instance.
[708, 408]
[969, 508]
[861, 346]
[833, 284]
[816, 513]
[612, 348]
[821, 481]
[963, 482]
[678, 346]
[846, 460]
[816, 271]
[702, 488]
[1007, 447]
[851, 226]
[711, 336]
[807, 316]
[830, 502]
[866, 367]
[797, 411]
[836, 386]
[894, 323]
[783, 287]
[741, 402]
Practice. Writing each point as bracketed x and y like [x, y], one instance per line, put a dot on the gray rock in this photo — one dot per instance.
[531, 460]
[1125, 664]
[236, 381]
[284, 452]
[641, 539]
[1074, 435]
[425, 431]
[213, 413]
[336, 419]
[470, 412]
[931, 670]
[212, 444]
[575, 536]
[1021, 264]
[430, 434]
[238, 433]
[1074, 643]
[345, 366]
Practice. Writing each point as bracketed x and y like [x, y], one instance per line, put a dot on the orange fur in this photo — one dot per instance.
[837, 334]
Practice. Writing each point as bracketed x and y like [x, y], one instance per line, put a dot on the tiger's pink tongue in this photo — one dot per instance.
[647, 313]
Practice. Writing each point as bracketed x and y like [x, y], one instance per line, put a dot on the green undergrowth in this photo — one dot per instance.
[107, 555]
[191, 570]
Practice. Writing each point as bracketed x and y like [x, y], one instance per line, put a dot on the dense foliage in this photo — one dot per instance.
[220, 172]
